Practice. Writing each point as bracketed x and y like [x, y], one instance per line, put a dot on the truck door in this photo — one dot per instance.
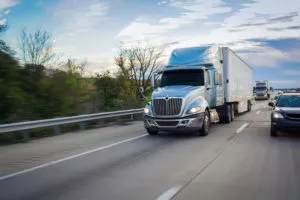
[208, 87]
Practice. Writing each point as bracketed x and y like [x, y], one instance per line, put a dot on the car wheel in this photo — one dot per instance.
[273, 132]
[151, 132]
[205, 126]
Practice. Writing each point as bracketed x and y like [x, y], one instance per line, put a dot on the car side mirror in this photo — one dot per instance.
[271, 104]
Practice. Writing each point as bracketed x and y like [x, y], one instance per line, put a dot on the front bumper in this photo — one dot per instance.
[186, 124]
[286, 125]
[261, 97]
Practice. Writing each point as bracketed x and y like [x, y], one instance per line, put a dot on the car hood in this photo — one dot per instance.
[289, 110]
[177, 91]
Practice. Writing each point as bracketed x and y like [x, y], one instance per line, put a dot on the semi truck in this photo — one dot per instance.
[199, 86]
[262, 90]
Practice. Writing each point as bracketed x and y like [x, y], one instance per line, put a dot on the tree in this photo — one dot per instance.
[36, 48]
[10, 92]
[139, 63]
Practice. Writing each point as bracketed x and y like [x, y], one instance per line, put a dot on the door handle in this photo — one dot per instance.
[208, 88]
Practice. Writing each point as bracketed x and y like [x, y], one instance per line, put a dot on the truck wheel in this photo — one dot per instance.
[232, 112]
[249, 106]
[273, 132]
[228, 118]
[152, 132]
[205, 126]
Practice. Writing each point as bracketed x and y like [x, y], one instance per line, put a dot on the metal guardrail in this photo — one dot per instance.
[24, 126]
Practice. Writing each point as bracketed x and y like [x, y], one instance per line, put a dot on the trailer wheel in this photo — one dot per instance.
[249, 106]
[232, 112]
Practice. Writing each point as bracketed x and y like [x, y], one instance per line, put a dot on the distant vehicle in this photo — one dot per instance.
[198, 86]
[285, 114]
[262, 90]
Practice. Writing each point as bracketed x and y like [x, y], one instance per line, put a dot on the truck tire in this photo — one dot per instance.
[205, 126]
[249, 106]
[273, 132]
[227, 118]
[232, 112]
[152, 132]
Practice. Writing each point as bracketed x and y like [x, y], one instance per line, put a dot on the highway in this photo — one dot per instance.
[235, 161]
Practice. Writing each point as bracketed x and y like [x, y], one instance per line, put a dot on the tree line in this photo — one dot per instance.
[37, 83]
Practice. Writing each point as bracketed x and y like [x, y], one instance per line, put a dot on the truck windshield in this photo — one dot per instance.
[261, 88]
[182, 77]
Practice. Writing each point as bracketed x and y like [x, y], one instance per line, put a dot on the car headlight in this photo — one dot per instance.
[194, 110]
[147, 111]
[277, 115]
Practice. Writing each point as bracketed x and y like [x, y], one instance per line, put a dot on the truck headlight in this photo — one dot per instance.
[277, 115]
[194, 110]
[147, 111]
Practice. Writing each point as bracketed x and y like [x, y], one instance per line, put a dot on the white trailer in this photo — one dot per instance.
[239, 78]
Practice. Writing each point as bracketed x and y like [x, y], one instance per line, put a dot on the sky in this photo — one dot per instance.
[265, 33]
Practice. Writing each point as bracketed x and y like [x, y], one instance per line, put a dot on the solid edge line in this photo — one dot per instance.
[169, 194]
[69, 158]
[258, 112]
[242, 128]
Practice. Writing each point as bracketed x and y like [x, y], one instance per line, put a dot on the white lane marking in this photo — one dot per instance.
[258, 112]
[70, 157]
[242, 128]
[169, 194]
[172, 192]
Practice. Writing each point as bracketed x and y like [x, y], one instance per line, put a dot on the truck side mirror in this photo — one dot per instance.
[271, 104]
[155, 79]
[218, 78]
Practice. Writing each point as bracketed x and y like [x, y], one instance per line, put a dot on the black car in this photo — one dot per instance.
[285, 114]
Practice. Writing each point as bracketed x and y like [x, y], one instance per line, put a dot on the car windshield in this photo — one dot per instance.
[183, 77]
[288, 101]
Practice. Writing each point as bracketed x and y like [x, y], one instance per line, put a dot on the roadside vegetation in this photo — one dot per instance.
[37, 83]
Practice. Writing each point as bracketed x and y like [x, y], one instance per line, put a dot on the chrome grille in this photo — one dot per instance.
[170, 107]
[293, 116]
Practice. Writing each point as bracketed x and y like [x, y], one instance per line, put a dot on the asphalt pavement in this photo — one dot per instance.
[235, 161]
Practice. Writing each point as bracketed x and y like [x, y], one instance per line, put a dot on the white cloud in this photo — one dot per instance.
[7, 3]
[161, 3]
[7, 12]
[80, 16]
[292, 72]
[256, 20]
[3, 21]
[264, 57]
[286, 83]
[194, 10]
[4, 4]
